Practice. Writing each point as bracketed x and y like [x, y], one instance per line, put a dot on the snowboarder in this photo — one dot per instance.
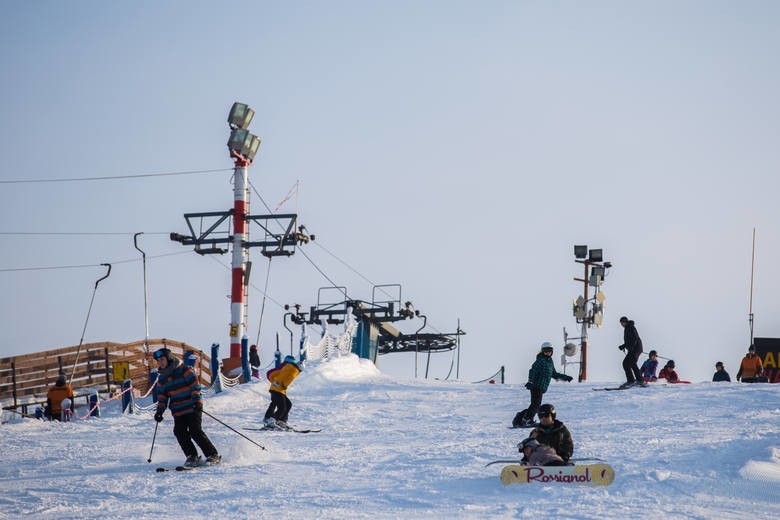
[281, 378]
[720, 373]
[539, 376]
[649, 367]
[554, 433]
[254, 361]
[179, 389]
[632, 345]
[535, 454]
[751, 368]
[668, 373]
[56, 396]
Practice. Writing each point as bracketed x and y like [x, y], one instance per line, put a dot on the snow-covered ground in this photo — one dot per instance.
[395, 448]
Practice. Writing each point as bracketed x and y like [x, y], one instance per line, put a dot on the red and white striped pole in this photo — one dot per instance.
[240, 174]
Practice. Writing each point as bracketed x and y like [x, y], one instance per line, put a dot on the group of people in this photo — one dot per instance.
[550, 443]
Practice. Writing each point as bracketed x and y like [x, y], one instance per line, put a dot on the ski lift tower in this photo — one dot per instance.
[588, 311]
[243, 146]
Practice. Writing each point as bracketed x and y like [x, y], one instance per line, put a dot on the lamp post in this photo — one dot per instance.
[589, 311]
[243, 146]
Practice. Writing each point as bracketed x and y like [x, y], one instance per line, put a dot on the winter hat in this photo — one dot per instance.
[670, 363]
[547, 347]
[528, 443]
[253, 347]
[752, 348]
[60, 380]
[653, 353]
[623, 318]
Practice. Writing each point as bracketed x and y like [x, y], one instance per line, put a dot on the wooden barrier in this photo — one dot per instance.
[104, 365]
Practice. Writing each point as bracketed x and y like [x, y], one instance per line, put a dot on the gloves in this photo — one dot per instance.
[529, 386]
[158, 416]
[567, 378]
[622, 347]
[197, 406]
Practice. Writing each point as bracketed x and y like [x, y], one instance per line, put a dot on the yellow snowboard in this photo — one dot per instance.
[585, 475]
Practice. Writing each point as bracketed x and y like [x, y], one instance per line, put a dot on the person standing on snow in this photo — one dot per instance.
[552, 432]
[649, 367]
[751, 368]
[632, 345]
[254, 361]
[179, 389]
[281, 378]
[539, 376]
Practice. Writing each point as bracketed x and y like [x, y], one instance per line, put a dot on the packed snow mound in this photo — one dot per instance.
[345, 369]
[763, 471]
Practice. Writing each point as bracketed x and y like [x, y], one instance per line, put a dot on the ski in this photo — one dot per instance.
[177, 468]
[267, 429]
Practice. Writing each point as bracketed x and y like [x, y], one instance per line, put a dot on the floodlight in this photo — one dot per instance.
[595, 255]
[243, 143]
[580, 252]
[597, 270]
[240, 116]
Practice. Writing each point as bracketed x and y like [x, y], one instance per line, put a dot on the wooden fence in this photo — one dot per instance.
[104, 365]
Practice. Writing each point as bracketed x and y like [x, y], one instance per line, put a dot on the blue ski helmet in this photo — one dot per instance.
[290, 359]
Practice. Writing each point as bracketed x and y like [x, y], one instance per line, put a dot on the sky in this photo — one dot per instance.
[395, 447]
[459, 149]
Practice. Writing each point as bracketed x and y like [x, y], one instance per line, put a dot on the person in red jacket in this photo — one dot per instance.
[280, 378]
[668, 373]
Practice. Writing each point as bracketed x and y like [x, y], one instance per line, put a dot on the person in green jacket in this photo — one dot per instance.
[539, 376]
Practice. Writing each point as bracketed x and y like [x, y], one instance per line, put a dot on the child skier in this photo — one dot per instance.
[254, 361]
[649, 367]
[539, 376]
[280, 378]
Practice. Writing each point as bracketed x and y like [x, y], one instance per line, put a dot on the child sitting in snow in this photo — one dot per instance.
[535, 454]
[649, 367]
[668, 373]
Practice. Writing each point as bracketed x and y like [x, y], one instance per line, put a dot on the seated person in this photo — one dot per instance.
[668, 373]
[720, 373]
[649, 367]
[55, 396]
[535, 454]
[552, 432]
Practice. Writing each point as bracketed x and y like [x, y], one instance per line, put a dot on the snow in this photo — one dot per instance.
[400, 448]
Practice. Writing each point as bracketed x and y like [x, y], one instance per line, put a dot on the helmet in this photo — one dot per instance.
[290, 359]
[528, 443]
[61, 379]
[163, 352]
[670, 363]
[546, 409]
[547, 347]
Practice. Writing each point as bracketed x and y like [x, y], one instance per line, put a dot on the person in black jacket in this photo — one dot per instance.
[632, 345]
[553, 432]
[254, 361]
[720, 373]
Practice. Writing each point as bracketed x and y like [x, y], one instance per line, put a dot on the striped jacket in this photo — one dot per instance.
[178, 389]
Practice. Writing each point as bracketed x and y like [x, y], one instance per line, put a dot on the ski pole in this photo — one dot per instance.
[156, 424]
[231, 428]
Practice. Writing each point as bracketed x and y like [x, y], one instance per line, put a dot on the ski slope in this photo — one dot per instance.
[394, 448]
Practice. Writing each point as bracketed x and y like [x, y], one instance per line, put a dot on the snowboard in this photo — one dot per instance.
[585, 475]
[532, 425]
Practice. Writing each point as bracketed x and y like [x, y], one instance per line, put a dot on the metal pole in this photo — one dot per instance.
[78, 351]
[752, 263]
[584, 339]
[239, 251]
[146, 308]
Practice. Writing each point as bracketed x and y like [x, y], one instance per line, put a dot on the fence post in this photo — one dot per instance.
[216, 380]
[245, 358]
[127, 396]
[153, 377]
[13, 381]
[108, 374]
[94, 402]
